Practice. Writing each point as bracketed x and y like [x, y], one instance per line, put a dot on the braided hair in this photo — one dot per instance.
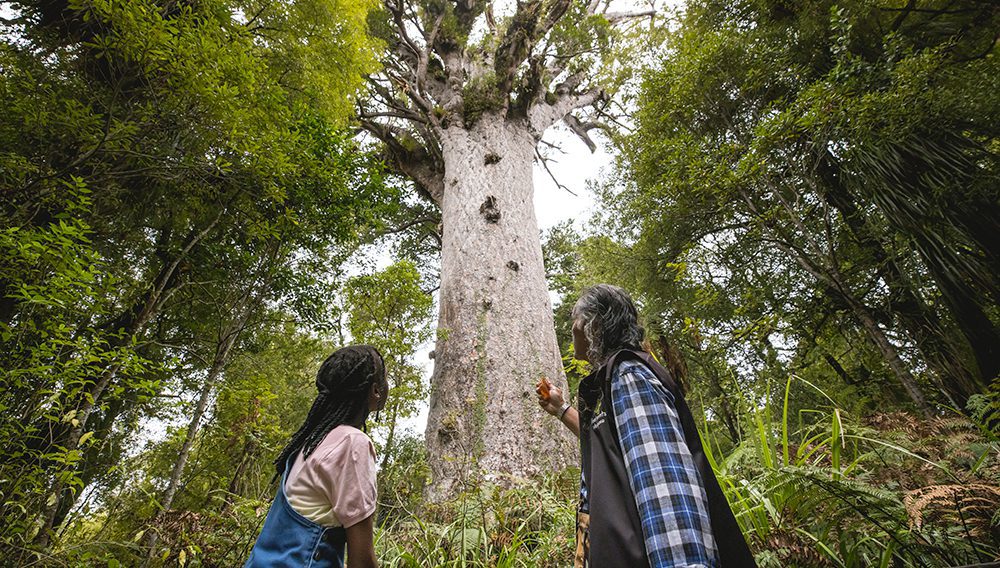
[343, 381]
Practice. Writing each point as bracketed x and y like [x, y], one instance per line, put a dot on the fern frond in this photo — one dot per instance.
[971, 506]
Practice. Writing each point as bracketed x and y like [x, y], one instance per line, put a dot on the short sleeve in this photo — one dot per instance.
[348, 479]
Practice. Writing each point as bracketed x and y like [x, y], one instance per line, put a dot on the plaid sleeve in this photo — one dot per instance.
[666, 483]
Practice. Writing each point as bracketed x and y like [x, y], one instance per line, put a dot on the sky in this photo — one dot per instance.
[574, 169]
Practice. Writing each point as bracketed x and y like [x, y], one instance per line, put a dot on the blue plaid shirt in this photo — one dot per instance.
[668, 489]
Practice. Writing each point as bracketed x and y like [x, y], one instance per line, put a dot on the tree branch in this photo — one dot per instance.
[618, 17]
[581, 130]
[543, 115]
[545, 164]
[410, 158]
[409, 224]
[527, 27]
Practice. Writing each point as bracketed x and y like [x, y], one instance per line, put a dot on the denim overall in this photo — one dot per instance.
[289, 540]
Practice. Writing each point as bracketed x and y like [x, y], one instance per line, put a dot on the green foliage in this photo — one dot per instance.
[530, 524]
[175, 175]
[401, 481]
[391, 312]
[265, 396]
[843, 491]
[795, 189]
[56, 277]
[985, 409]
[481, 95]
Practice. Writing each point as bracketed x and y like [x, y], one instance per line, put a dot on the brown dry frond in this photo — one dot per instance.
[972, 506]
[794, 550]
[952, 441]
[897, 422]
[914, 426]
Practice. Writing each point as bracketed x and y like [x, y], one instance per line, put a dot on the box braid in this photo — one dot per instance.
[343, 381]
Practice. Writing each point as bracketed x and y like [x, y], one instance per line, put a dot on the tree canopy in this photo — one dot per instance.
[202, 199]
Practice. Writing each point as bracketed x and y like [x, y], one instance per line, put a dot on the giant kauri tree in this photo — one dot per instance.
[464, 98]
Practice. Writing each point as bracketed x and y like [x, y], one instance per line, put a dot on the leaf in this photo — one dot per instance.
[86, 436]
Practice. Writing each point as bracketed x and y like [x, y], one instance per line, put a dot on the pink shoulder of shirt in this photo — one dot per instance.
[339, 473]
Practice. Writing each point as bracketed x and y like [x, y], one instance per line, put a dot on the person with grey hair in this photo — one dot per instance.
[648, 496]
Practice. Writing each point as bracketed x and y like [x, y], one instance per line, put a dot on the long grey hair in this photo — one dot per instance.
[610, 321]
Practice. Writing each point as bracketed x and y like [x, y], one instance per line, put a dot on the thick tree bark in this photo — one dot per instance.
[496, 332]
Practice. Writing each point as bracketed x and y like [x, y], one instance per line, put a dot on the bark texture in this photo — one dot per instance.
[495, 324]
[460, 112]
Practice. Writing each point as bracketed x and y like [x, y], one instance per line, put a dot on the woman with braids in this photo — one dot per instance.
[648, 496]
[326, 498]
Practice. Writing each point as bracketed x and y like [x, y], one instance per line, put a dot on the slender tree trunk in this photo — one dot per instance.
[246, 458]
[219, 362]
[496, 335]
[826, 271]
[391, 436]
[838, 368]
[729, 417]
[890, 354]
[921, 322]
[7, 304]
[89, 401]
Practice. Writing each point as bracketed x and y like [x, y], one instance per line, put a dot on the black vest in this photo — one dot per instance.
[616, 538]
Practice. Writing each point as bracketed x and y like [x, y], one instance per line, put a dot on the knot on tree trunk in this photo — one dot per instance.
[489, 210]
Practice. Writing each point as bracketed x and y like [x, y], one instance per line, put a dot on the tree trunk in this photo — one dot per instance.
[964, 302]
[838, 368]
[166, 282]
[890, 354]
[390, 438]
[496, 335]
[222, 352]
[921, 322]
[246, 458]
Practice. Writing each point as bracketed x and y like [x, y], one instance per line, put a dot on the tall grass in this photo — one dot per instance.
[530, 524]
[829, 490]
[840, 491]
